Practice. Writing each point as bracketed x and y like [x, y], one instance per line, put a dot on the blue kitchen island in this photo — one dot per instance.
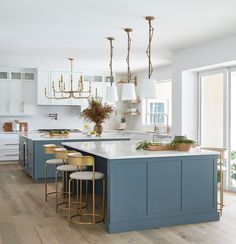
[32, 157]
[146, 189]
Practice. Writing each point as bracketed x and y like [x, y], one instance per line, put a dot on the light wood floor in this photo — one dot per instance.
[25, 218]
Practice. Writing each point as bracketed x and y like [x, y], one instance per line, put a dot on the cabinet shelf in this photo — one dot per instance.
[133, 101]
[132, 113]
[16, 115]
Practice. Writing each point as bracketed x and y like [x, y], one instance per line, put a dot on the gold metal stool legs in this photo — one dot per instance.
[46, 182]
[96, 218]
[67, 194]
[221, 203]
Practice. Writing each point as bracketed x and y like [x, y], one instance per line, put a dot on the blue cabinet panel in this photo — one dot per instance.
[30, 158]
[199, 184]
[164, 187]
[128, 197]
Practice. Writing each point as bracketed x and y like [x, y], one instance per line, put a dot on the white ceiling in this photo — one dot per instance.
[43, 33]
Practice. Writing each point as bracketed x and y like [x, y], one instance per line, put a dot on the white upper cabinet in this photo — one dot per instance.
[18, 92]
[42, 83]
[4, 92]
[29, 96]
[16, 99]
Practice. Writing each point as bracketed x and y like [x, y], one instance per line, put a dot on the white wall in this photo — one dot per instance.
[217, 53]
[68, 118]
[189, 105]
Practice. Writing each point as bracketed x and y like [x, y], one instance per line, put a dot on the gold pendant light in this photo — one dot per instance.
[61, 93]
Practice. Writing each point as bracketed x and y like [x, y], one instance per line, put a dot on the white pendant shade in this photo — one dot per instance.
[128, 92]
[111, 94]
[148, 88]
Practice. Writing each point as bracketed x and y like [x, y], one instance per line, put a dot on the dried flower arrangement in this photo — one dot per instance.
[97, 113]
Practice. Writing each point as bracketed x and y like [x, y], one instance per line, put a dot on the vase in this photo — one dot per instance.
[122, 125]
[98, 129]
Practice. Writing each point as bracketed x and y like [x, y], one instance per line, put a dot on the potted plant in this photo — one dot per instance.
[182, 143]
[97, 113]
[233, 165]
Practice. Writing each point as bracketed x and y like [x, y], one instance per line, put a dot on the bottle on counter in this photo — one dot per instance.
[16, 126]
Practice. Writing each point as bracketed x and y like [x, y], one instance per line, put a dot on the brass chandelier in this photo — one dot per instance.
[62, 93]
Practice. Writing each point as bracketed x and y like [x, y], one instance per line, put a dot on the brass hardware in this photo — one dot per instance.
[79, 93]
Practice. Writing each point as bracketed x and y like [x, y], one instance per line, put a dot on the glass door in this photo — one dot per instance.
[232, 131]
[212, 122]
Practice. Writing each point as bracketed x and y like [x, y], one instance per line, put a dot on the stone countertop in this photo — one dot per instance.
[126, 150]
[73, 136]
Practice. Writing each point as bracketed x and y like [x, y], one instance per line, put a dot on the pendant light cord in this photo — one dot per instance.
[128, 30]
[111, 57]
[148, 51]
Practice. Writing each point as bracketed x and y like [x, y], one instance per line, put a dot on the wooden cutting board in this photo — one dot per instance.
[7, 127]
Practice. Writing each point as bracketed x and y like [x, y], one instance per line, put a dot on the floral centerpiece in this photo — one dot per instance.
[97, 113]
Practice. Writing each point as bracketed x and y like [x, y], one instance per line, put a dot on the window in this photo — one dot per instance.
[159, 110]
[155, 111]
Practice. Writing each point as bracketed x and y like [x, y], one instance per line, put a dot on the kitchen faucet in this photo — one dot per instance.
[155, 132]
[54, 116]
[167, 123]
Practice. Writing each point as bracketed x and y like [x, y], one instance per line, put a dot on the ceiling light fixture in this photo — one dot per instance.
[148, 86]
[62, 93]
[128, 89]
[111, 91]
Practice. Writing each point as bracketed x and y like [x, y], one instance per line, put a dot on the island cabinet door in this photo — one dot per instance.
[30, 158]
[164, 187]
[127, 192]
[199, 193]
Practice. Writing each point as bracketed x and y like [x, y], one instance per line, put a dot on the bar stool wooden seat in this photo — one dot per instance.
[64, 169]
[80, 162]
[49, 149]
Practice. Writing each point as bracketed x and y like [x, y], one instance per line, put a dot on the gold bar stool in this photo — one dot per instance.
[80, 162]
[49, 149]
[64, 169]
[221, 169]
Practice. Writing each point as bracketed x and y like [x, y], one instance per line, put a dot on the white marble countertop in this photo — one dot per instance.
[126, 149]
[73, 136]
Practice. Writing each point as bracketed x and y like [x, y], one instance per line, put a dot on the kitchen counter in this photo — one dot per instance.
[73, 136]
[126, 150]
[31, 153]
[147, 189]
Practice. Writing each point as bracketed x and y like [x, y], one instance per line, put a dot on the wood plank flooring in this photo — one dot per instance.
[25, 218]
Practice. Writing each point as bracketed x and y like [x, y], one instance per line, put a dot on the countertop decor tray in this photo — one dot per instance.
[159, 148]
